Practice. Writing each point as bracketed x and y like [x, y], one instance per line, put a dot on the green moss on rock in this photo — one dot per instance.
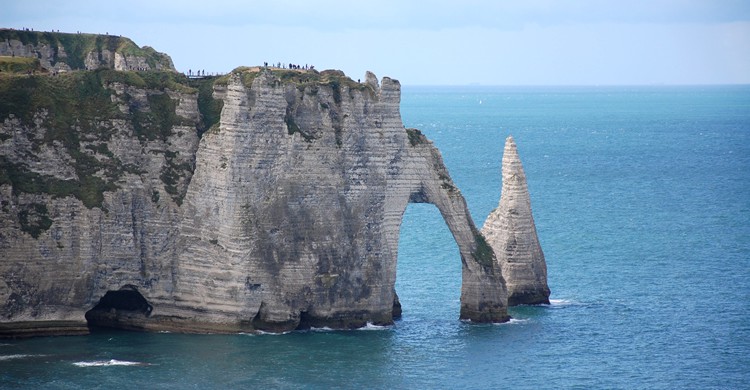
[75, 111]
[88, 189]
[34, 219]
[210, 108]
[173, 173]
[416, 137]
[483, 253]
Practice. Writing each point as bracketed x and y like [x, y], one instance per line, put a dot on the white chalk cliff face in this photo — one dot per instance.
[511, 232]
[289, 219]
[292, 216]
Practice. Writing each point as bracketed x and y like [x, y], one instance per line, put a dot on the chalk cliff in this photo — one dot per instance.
[294, 209]
[511, 232]
[61, 52]
[263, 200]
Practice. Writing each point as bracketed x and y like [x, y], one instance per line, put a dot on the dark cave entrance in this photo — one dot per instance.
[429, 272]
[125, 308]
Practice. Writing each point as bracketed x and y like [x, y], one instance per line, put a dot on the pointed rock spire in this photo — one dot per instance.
[511, 233]
[372, 81]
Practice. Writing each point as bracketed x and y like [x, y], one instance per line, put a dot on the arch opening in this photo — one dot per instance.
[428, 269]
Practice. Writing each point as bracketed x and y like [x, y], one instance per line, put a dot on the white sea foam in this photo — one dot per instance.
[512, 321]
[110, 362]
[371, 326]
[560, 302]
[16, 356]
[260, 332]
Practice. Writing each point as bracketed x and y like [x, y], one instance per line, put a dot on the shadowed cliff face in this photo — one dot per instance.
[285, 214]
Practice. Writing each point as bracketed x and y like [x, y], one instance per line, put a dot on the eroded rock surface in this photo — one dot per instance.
[284, 214]
[511, 232]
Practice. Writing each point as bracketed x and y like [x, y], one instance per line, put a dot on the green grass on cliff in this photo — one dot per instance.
[483, 254]
[78, 46]
[304, 80]
[209, 107]
[10, 64]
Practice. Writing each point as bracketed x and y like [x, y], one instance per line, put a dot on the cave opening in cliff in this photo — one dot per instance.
[125, 308]
[428, 276]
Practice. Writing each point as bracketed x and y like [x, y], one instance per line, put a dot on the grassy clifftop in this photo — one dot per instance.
[78, 46]
[301, 78]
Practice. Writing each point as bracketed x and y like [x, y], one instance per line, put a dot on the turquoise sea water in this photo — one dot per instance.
[641, 197]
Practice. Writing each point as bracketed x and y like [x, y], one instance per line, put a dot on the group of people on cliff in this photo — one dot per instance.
[289, 66]
[200, 73]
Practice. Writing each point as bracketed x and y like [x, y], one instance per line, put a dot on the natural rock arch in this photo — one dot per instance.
[289, 217]
[324, 243]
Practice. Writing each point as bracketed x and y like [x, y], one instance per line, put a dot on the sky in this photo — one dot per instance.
[440, 42]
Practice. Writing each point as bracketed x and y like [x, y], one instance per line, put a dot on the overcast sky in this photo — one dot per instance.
[487, 42]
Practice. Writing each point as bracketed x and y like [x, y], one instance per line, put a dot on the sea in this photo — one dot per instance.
[641, 197]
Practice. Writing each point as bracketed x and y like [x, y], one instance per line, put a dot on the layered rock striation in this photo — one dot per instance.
[294, 209]
[511, 232]
[93, 168]
[263, 200]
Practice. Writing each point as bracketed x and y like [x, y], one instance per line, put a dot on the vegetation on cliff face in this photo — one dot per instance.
[78, 46]
[34, 219]
[415, 137]
[9, 64]
[69, 108]
[209, 107]
[78, 111]
[483, 254]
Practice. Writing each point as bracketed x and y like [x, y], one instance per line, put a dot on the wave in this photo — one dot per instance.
[17, 356]
[323, 329]
[561, 302]
[262, 332]
[512, 321]
[110, 362]
[371, 326]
